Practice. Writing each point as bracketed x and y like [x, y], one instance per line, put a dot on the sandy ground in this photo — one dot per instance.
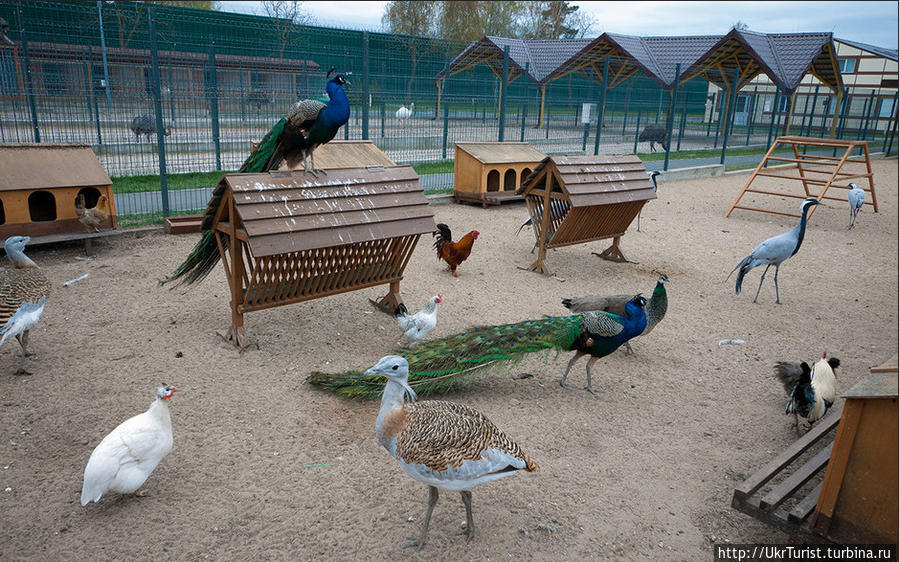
[266, 467]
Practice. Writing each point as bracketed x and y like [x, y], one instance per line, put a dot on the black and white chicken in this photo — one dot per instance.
[812, 390]
[416, 326]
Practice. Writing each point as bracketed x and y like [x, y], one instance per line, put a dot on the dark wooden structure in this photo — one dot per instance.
[39, 184]
[856, 500]
[589, 198]
[817, 172]
[490, 173]
[287, 236]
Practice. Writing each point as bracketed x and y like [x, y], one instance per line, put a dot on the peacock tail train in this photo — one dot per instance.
[445, 364]
[205, 255]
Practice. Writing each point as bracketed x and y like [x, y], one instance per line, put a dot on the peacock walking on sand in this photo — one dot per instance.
[309, 124]
[444, 364]
[655, 308]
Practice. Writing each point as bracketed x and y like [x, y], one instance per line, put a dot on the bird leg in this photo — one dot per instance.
[469, 521]
[577, 355]
[23, 341]
[776, 288]
[628, 350]
[433, 496]
[589, 386]
[762, 280]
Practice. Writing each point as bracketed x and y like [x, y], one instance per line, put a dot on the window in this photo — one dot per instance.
[887, 106]
[783, 105]
[847, 66]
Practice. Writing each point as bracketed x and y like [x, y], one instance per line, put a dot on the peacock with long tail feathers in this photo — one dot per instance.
[445, 364]
[309, 124]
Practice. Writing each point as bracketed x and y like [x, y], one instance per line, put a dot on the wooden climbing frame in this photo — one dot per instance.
[813, 170]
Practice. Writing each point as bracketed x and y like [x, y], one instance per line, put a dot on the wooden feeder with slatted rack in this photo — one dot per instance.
[589, 198]
[287, 236]
[818, 164]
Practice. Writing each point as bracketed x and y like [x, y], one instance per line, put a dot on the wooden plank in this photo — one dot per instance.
[795, 481]
[316, 207]
[836, 468]
[788, 455]
[882, 384]
[891, 365]
[806, 505]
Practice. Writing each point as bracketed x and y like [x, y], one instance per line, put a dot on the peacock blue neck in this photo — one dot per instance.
[635, 322]
[338, 110]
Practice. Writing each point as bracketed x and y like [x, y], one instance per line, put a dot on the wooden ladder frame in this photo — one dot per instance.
[801, 163]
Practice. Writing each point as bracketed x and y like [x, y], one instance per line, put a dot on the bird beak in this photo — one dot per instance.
[372, 371]
[174, 390]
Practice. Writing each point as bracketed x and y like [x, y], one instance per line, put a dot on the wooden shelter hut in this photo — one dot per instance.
[287, 236]
[492, 172]
[39, 184]
[589, 198]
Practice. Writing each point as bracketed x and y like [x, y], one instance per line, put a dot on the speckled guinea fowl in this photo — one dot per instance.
[23, 291]
[446, 445]
[655, 308]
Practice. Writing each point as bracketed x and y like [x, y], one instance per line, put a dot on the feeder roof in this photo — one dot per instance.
[596, 180]
[501, 152]
[286, 212]
[37, 166]
[341, 154]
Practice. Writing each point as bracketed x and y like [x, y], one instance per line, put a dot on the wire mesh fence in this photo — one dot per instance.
[170, 98]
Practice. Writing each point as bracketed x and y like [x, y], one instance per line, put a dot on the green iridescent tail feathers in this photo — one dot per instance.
[205, 255]
[442, 365]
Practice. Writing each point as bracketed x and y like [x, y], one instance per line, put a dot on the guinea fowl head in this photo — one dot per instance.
[395, 369]
[165, 392]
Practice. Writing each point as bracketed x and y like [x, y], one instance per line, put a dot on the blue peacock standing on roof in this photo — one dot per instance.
[309, 124]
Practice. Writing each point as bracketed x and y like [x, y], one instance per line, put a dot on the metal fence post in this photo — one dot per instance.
[718, 122]
[600, 109]
[160, 137]
[730, 112]
[590, 95]
[751, 120]
[708, 127]
[811, 117]
[868, 112]
[365, 85]
[445, 121]
[106, 85]
[503, 94]
[212, 95]
[28, 79]
[669, 120]
[524, 109]
[383, 117]
[90, 57]
[773, 113]
[683, 121]
[886, 131]
[637, 131]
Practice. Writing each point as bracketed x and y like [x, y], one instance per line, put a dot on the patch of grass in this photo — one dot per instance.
[438, 190]
[441, 167]
[139, 184]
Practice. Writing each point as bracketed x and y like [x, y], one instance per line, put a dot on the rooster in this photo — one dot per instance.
[453, 253]
[91, 218]
[812, 390]
[416, 326]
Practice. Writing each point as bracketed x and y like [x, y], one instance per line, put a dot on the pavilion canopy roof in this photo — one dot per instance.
[784, 57]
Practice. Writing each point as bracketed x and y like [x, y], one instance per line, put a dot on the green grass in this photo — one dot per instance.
[139, 184]
[441, 167]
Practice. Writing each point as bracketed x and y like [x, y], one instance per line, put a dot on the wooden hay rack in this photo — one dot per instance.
[288, 237]
[817, 172]
[589, 198]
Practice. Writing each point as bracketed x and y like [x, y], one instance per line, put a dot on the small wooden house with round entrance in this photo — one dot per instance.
[39, 184]
[489, 173]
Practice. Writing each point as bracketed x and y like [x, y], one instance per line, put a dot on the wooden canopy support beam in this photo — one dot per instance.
[834, 172]
[542, 103]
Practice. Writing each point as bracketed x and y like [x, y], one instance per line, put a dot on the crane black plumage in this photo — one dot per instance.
[774, 251]
[297, 131]
[655, 187]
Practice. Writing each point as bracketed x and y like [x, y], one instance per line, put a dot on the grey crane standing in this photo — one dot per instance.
[856, 200]
[774, 251]
[655, 187]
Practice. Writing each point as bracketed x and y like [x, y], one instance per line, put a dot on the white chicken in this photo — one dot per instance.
[124, 459]
[416, 326]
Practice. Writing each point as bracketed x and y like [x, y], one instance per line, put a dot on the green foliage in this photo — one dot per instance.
[143, 183]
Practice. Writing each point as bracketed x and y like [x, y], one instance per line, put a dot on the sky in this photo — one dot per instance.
[874, 23]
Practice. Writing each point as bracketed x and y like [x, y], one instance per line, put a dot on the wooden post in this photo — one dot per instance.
[538, 265]
[790, 114]
[542, 100]
[836, 113]
[236, 333]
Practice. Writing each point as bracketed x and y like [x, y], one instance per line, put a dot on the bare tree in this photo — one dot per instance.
[286, 15]
[413, 24]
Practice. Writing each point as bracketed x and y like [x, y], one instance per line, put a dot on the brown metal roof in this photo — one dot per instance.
[598, 180]
[342, 154]
[291, 211]
[502, 152]
[35, 166]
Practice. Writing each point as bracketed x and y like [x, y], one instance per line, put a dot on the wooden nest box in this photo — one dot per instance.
[39, 184]
[489, 173]
[287, 236]
[589, 197]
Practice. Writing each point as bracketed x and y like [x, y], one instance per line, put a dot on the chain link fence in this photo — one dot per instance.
[169, 98]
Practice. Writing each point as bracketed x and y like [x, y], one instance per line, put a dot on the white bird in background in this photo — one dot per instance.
[416, 326]
[447, 446]
[124, 459]
[404, 113]
[856, 200]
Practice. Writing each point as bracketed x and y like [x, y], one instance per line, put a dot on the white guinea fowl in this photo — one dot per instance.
[856, 201]
[416, 326]
[126, 457]
[447, 446]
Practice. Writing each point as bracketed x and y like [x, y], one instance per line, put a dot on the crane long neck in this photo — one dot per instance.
[391, 400]
[800, 229]
[20, 260]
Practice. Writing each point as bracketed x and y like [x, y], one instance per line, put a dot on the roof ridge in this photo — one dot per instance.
[658, 67]
[781, 73]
